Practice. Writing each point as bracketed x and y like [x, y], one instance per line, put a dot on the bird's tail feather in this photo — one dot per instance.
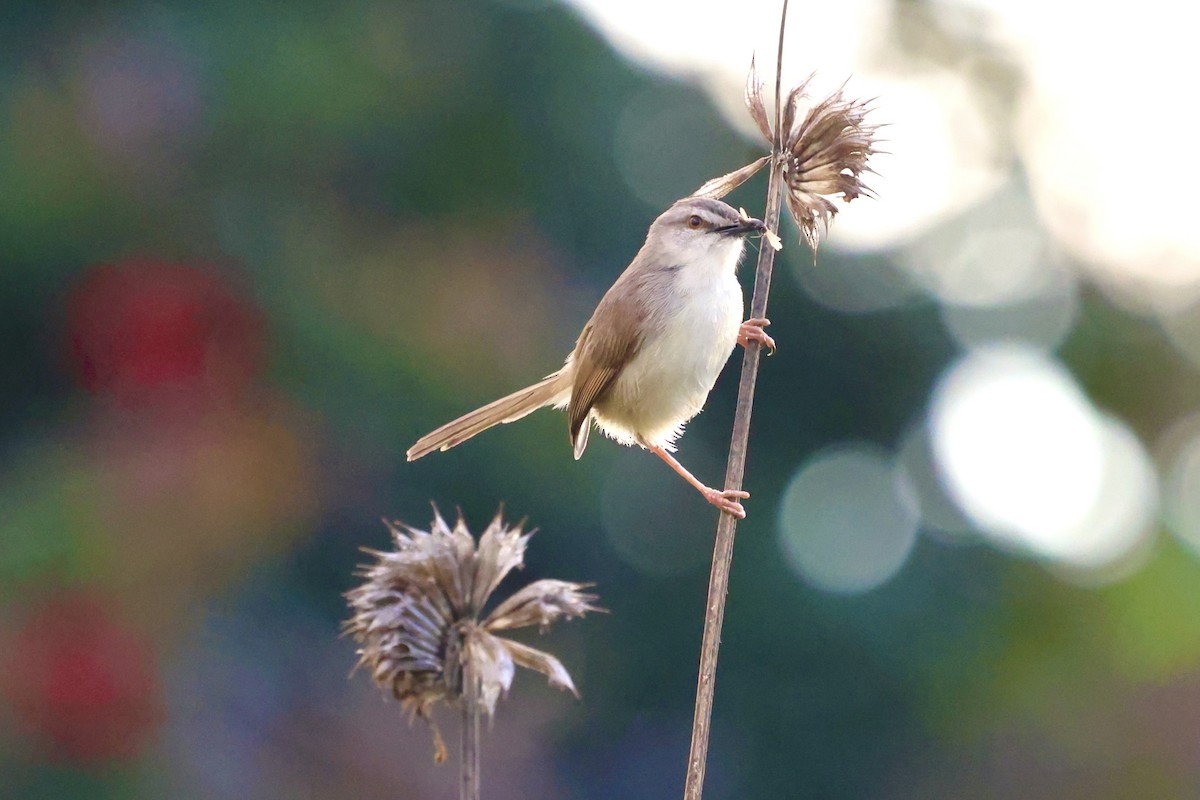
[506, 409]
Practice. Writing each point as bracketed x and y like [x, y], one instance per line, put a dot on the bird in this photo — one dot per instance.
[645, 362]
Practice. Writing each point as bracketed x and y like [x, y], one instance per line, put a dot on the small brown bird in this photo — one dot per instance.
[646, 360]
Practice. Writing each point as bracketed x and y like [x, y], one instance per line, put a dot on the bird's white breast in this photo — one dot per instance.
[668, 380]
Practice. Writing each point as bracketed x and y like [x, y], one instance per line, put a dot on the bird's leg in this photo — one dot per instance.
[726, 500]
[752, 331]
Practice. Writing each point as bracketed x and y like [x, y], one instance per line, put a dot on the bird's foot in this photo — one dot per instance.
[727, 500]
[752, 331]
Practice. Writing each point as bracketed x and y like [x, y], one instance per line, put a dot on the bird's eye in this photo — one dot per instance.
[694, 222]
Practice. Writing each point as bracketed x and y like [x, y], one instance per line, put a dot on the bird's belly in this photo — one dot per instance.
[668, 381]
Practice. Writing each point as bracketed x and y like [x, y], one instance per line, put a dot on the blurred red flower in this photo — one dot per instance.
[82, 686]
[155, 332]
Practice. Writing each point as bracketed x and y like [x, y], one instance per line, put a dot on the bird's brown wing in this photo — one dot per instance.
[608, 342]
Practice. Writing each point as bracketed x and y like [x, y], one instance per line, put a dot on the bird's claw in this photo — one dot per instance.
[727, 500]
[752, 331]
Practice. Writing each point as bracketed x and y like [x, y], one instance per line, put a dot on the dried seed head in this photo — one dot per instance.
[418, 620]
[824, 154]
[755, 102]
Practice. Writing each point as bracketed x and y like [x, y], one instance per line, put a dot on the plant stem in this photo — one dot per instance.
[718, 581]
[469, 761]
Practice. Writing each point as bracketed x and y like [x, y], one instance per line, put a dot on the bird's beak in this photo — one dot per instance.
[742, 227]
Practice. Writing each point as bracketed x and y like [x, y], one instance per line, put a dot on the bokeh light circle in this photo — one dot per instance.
[1144, 254]
[978, 266]
[1122, 520]
[647, 151]
[1017, 443]
[1182, 330]
[848, 520]
[940, 515]
[1181, 493]
[855, 284]
[1031, 462]
[1043, 321]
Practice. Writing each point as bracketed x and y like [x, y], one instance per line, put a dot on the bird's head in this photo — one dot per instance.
[696, 228]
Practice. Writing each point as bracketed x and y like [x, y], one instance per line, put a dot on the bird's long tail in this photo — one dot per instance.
[507, 409]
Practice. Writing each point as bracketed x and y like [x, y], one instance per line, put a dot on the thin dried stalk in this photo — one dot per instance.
[815, 157]
[718, 581]
[468, 784]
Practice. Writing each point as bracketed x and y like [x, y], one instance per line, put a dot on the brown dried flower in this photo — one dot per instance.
[418, 616]
[823, 153]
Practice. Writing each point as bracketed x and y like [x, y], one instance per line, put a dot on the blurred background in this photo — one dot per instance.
[250, 251]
